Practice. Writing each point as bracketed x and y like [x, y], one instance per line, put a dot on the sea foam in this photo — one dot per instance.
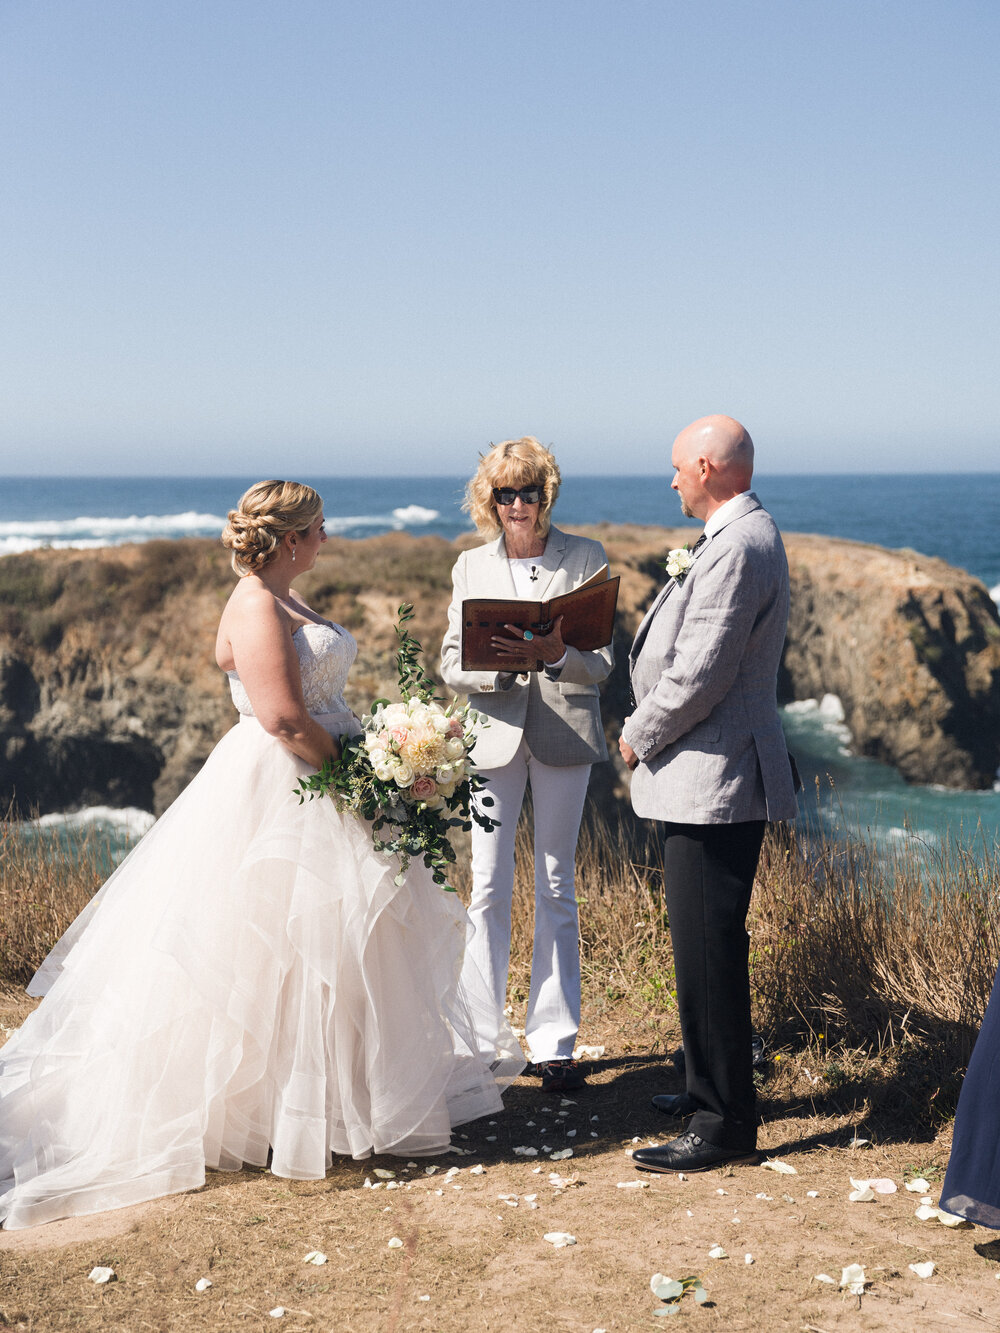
[86, 532]
[129, 820]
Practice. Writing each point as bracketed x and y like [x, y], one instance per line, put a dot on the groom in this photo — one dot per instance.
[705, 744]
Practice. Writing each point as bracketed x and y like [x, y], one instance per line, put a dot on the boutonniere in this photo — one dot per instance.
[678, 562]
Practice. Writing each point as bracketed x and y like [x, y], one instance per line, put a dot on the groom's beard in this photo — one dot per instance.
[686, 509]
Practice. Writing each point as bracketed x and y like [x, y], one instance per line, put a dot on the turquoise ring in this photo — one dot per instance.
[528, 635]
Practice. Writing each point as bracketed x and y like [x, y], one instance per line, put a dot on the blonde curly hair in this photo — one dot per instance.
[517, 463]
[264, 515]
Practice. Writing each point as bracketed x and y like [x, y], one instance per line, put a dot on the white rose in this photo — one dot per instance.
[403, 774]
[454, 748]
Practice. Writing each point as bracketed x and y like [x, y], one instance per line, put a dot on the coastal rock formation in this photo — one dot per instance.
[910, 645]
[109, 693]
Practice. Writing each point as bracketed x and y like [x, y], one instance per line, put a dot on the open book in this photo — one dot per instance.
[588, 614]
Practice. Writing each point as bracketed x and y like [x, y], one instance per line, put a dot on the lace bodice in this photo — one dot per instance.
[325, 653]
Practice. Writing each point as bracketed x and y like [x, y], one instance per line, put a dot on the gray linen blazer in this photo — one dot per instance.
[704, 673]
[559, 714]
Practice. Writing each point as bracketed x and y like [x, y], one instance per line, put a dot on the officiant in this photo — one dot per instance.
[544, 728]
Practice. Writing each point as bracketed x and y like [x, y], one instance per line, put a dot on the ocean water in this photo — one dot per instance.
[954, 517]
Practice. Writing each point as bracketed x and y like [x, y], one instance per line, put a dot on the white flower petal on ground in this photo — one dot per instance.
[431, 1170]
[665, 1288]
[452, 1172]
[588, 1052]
[632, 1185]
[861, 1193]
[918, 1186]
[925, 1212]
[923, 1270]
[384, 1173]
[765, 1196]
[525, 1151]
[560, 1239]
[203, 1284]
[853, 1279]
[477, 1170]
[316, 1257]
[395, 1243]
[102, 1275]
[952, 1219]
[717, 1252]
[783, 1168]
[560, 1155]
[810, 1194]
[824, 1277]
[860, 1143]
[883, 1185]
[748, 1259]
[278, 1312]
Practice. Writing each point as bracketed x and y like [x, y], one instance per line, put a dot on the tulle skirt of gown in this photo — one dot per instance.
[249, 980]
[972, 1181]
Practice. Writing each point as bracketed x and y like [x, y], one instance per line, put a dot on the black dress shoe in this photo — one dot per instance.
[675, 1103]
[689, 1153]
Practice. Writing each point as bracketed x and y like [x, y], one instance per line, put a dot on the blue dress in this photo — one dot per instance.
[972, 1182]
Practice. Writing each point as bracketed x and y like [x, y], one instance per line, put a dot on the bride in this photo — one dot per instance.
[250, 980]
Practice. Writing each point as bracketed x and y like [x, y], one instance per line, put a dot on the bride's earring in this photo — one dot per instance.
[293, 555]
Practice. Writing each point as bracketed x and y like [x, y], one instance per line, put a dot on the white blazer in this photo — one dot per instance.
[558, 713]
[704, 669]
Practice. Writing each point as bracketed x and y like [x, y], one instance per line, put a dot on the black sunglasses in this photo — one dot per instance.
[506, 495]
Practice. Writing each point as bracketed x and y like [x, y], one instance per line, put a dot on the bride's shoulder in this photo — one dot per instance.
[253, 611]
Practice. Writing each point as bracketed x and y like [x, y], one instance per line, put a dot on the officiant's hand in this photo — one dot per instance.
[548, 648]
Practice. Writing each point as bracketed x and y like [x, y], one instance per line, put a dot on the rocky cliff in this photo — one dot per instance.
[109, 693]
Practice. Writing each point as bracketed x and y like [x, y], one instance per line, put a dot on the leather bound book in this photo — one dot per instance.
[588, 614]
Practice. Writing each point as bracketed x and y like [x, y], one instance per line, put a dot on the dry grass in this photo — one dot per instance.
[871, 971]
[45, 881]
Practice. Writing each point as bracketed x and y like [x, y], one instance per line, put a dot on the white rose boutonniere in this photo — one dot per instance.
[678, 562]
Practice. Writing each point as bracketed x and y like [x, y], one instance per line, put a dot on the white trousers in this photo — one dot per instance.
[558, 794]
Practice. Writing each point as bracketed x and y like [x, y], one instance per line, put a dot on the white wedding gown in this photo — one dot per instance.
[249, 980]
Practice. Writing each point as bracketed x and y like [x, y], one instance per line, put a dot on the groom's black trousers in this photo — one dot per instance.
[708, 873]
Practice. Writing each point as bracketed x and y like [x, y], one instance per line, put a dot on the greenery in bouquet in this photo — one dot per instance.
[409, 772]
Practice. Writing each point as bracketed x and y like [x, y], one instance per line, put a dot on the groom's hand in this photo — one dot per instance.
[627, 753]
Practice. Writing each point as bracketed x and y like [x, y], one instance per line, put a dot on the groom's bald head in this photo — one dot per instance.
[713, 459]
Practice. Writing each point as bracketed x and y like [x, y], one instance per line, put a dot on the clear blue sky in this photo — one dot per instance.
[244, 235]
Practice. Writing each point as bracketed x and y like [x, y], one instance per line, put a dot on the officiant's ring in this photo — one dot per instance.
[528, 635]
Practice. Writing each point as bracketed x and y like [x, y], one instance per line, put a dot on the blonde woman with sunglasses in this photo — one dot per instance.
[544, 729]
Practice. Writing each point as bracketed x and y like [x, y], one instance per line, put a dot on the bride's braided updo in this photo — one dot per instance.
[264, 515]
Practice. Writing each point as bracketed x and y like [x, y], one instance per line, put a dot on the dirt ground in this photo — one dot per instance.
[472, 1227]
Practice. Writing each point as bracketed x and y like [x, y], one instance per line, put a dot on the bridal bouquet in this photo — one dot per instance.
[409, 772]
